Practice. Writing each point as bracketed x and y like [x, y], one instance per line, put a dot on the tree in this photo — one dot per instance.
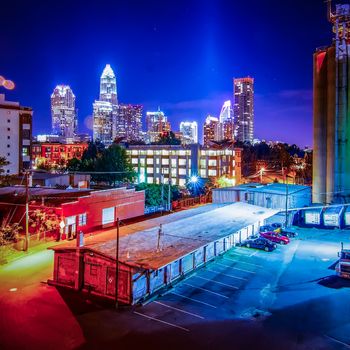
[168, 138]
[9, 233]
[153, 193]
[42, 221]
[3, 163]
[74, 164]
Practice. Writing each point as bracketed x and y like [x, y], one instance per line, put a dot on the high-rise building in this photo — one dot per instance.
[108, 86]
[105, 109]
[63, 112]
[211, 130]
[243, 90]
[156, 123]
[226, 122]
[16, 135]
[128, 123]
[331, 113]
[189, 131]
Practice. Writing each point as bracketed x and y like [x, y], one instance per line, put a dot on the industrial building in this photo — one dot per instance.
[154, 258]
[331, 117]
[275, 195]
[83, 210]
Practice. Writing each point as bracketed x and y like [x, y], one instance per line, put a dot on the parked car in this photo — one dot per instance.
[269, 228]
[259, 243]
[275, 237]
[289, 234]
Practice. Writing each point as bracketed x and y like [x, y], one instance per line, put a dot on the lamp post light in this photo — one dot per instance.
[62, 226]
[261, 174]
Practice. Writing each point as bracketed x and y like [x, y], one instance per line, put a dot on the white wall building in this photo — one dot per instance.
[16, 135]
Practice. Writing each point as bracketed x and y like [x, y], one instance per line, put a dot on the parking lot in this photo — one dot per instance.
[289, 298]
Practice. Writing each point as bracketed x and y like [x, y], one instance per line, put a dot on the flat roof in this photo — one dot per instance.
[180, 237]
[274, 188]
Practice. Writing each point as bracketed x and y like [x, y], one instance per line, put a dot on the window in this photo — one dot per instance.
[8, 120]
[8, 154]
[182, 171]
[8, 129]
[82, 219]
[134, 161]
[212, 162]
[149, 160]
[8, 146]
[25, 151]
[107, 215]
[165, 161]
[182, 161]
[149, 170]
[8, 137]
[211, 172]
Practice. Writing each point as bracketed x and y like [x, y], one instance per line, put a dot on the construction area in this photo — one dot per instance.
[152, 258]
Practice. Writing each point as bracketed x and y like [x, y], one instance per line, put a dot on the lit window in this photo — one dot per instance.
[134, 160]
[182, 171]
[82, 219]
[165, 161]
[182, 161]
[150, 179]
[212, 162]
[211, 172]
[150, 152]
[150, 170]
[149, 160]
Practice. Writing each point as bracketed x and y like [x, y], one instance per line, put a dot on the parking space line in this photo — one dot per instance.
[224, 274]
[243, 262]
[206, 290]
[224, 284]
[180, 310]
[235, 268]
[197, 301]
[161, 321]
[253, 254]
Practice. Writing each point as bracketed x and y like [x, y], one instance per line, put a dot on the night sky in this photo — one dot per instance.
[180, 55]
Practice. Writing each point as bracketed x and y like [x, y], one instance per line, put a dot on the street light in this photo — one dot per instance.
[62, 226]
[194, 179]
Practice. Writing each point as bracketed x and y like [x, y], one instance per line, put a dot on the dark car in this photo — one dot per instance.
[289, 234]
[259, 243]
[275, 237]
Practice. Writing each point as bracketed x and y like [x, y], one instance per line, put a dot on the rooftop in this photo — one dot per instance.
[180, 237]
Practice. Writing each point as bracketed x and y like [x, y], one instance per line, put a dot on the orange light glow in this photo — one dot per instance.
[8, 84]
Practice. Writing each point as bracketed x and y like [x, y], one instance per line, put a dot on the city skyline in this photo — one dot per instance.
[205, 79]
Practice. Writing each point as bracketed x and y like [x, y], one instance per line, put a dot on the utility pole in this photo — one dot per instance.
[169, 194]
[117, 268]
[162, 193]
[26, 247]
[286, 218]
[160, 233]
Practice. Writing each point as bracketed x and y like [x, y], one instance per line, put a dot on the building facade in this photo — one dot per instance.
[54, 153]
[16, 135]
[128, 122]
[211, 130]
[156, 124]
[189, 132]
[105, 109]
[331, 114]
[161, 163]
[63, 112]
[226, 127]
[243, 91]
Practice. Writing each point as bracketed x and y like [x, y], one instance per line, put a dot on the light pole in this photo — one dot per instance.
[62, 226]
[27, 212]
[117, 268]
[162, 193]
[169, 194]
[286, 218]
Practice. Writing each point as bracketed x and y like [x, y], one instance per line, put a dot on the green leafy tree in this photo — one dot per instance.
[74, 164]
[3, 163]
[9, 233]
[153, 193]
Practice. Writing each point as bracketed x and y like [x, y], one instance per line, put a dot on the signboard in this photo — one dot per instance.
[331, 219]
[312, 217]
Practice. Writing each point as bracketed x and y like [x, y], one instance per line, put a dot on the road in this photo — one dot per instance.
[245, 299]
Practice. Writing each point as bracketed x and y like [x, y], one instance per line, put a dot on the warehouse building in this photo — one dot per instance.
[151, 259]
[274, 196]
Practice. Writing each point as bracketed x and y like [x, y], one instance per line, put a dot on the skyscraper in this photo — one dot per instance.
[128, 123]
[104, 109]
[331, 113]
[243, 90]
[189, 132]
[211, 130]
[63, 112]
[108, 86]
[226, 122]
[156, 123]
